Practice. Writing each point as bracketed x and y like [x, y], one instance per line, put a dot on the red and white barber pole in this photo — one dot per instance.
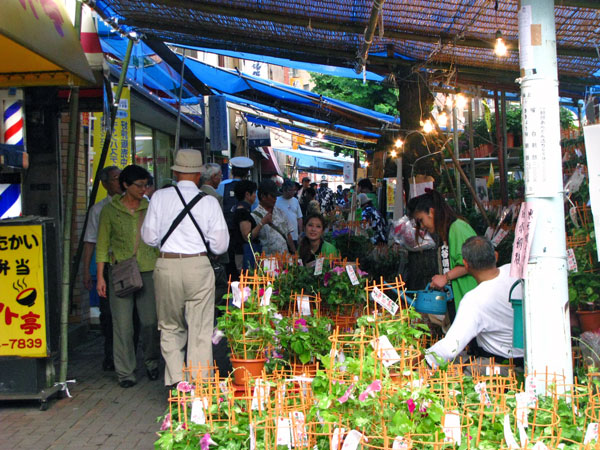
[12, 121]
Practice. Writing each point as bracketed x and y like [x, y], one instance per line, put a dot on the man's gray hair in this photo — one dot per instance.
[207, 171]
[478, 252]
[105, 173]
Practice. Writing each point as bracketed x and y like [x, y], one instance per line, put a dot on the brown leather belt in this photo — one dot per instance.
[179, 255]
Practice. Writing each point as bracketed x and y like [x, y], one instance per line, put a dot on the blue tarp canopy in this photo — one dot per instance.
[284, 62]
[316, 161]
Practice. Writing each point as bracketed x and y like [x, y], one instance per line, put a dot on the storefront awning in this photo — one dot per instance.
[316, 160]
[40, 47]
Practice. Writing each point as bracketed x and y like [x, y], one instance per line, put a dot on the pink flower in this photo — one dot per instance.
[166, 423]
[344, 398]
[301, 323]
[285, 271]
[411, 405]
[206, 442]
[362, 273]
[184, 386]
[375, 386]
[326, 278]
[339, 270]
[261, 292]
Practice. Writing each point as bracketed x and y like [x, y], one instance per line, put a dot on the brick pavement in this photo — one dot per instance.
[100, 414]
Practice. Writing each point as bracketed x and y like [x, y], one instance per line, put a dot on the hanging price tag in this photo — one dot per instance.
[481, 389]
[303, 303]
[509, 437]
[385, 350]
[493, 370]
[522, 413]
[352, 275]
[573, 215]
[571, 260]
[284, 430]
[299, 434]
[336, 438]
[198, 415]
[400, 444]
[499, 236]
[266, 298]
[451, 427]
[591, 433]
[352, 440]
[384, 301]
[260, 394]
[319, 266]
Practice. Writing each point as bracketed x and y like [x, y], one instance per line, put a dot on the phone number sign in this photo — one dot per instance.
[22, 296]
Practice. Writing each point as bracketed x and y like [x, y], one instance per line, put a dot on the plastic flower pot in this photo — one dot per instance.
[244, 369]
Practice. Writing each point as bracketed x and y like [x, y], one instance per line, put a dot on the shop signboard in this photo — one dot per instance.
[22, 293]
[119, 150]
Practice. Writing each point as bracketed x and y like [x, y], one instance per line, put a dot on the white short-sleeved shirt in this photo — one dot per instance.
[293, 212]
[166, 205]
[91, 232]
[485, 313]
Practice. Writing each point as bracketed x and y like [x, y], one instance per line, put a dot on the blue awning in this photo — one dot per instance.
[315, 161]
[284, 62]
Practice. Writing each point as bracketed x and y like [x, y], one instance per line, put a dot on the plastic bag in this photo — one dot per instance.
[590, 348]
[403, 232]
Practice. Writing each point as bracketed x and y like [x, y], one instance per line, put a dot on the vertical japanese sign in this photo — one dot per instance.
[22, 296]
[591, 135]
[390, 194]
[522, 243]
[120, 148]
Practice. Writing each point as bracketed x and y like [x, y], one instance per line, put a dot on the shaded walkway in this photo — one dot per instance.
[100, 414]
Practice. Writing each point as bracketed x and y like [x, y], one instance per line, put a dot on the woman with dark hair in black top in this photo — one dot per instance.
[244, 223]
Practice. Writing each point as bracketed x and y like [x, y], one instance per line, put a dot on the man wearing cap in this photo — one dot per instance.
[272, 226]
[183, 277]
[374, 217]
[290, 206]
[240, 169]
[326, 197]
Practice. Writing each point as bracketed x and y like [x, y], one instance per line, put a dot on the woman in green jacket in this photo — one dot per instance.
[312, 244]
[118, 230]
[432, 213]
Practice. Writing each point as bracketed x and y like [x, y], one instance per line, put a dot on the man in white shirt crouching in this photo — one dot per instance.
[484, 313]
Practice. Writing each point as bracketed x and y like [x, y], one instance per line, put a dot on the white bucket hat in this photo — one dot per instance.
[188, 161]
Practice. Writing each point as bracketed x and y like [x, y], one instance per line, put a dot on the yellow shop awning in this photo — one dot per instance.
[40, 47]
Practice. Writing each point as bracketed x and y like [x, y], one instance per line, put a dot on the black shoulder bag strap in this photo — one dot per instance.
[189, 212]
[186, 210]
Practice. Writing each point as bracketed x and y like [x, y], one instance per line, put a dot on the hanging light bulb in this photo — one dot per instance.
[366, 163]
[442, 120]
[427, 126]
[399, 143]
[500, 49]
[393, 153]
[320, 135]
[461, 101]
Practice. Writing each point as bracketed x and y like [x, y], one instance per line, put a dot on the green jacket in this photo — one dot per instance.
[459, 232]
[117, 230]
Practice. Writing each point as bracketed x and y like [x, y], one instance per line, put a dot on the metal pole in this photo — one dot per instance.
[457, 156]
[398, 196]
[68, 217]
[546, 305]
[500, 146]
[471, 149]
[178, 126]
[504, 148]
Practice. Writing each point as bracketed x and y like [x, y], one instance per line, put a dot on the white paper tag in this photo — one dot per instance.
[303, 303]
[533, 389]
[197, 415]
[259, 394]
[299, 434]
[270, 265]
[493, 370]
[499, 236]
[252, 438]
[352, 275]
[573, 215]
[352, 440]
[266, 298]
[400, 444]
[489, 233]
[522, 412]
[481, 389]
[451, 427]
[385, 350]
[336, 438]
[384, 301]
[284, 430]
[300, 263]
[319, 266]
[223, 387]
[509, 437]
[591, 433]
[571, 260]
[237, 294]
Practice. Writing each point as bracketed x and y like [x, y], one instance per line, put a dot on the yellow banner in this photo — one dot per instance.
[119, 151]
[390, 194]
[22, 294]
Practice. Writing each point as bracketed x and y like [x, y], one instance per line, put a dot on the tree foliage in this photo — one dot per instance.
[370, 95]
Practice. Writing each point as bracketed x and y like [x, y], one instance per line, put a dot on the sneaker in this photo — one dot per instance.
[126, 383]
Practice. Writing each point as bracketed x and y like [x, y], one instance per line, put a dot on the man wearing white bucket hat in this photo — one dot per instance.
[184, 279]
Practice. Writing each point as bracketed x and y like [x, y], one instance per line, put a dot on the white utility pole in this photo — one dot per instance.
[546, 306]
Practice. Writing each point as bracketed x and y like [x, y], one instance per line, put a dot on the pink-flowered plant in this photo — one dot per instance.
[206, 442]
[339, 270]
[184, 386]
[344, 398]
[411, 405]
[166, 424]
[375, 386]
